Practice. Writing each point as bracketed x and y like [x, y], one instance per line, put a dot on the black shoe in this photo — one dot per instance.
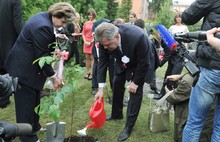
[108, 118]
[125, 134]
[157, 96]
[155, 90]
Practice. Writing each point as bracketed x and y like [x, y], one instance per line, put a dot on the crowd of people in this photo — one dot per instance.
[125, 50]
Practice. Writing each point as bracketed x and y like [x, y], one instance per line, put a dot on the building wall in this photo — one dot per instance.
[140, 7]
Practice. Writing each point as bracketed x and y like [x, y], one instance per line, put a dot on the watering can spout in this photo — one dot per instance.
[97, 115]
[91, 125]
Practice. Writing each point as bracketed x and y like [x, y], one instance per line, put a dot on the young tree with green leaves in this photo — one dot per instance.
[125, 9]
[112, 8]
[165, 15]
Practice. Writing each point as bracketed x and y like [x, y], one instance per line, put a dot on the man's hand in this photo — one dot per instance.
[57, 81]
[99, 94]
[166, 89]
[212, 40]
[132, 88]
[174, 77]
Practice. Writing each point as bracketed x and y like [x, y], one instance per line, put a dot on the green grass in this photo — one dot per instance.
[74, 111]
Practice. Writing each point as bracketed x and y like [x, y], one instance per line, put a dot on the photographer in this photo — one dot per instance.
[207, 89]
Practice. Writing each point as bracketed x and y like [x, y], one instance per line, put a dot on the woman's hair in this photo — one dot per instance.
[91, 11]
[105, 30]
[176, 16]
[62, 9]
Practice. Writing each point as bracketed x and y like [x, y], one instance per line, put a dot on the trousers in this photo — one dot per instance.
[203, 95]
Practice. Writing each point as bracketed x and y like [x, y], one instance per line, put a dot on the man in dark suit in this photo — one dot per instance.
[130, 47]
[32, 44]
[10, 27]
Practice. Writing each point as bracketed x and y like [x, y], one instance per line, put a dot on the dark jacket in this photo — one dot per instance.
[10, 26]
[32, 44]
[135, 45]
[208, 57]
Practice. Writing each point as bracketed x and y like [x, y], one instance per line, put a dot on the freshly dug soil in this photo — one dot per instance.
[80, 139]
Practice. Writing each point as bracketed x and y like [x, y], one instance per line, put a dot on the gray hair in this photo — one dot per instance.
[105, 30]
[62, 9]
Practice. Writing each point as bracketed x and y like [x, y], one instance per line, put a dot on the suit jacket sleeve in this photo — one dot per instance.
[17, 16]
[41, 40]
[196, 11]
[102, 64]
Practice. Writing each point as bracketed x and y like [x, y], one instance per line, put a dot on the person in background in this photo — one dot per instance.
[154, 59]
[178, 26]
[118, 21]
[154, 36]
[36, 35]
[74, 29]
[10, 27]
[132, 18]
[175, 62]
[207, 89]
[88, 42]
[129, 45]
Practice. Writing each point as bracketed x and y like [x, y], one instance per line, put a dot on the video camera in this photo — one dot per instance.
[175, 44]
[8, 85]
[9, 131]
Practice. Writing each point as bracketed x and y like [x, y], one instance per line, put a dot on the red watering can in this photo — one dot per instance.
[97, 115]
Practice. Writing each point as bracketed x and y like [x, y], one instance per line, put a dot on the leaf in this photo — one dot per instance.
[58, 99]
[54, 112]
[42, 62]
[49, 60]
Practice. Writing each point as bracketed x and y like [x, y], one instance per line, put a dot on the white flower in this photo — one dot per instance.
[125, 59]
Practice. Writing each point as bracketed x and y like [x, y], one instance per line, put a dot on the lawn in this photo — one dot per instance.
[74, 111]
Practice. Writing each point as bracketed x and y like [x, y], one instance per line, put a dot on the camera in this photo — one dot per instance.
[8, 131]
[176, 46]
[8, 85]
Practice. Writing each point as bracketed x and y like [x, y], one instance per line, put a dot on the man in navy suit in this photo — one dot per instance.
[32, 43]
[129, 45]
[10, 27]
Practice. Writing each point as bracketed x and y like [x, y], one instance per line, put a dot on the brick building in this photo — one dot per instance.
[140, 7]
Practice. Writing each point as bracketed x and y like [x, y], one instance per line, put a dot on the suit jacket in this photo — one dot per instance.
[10, 26]
[134, 45]
[32, 44]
